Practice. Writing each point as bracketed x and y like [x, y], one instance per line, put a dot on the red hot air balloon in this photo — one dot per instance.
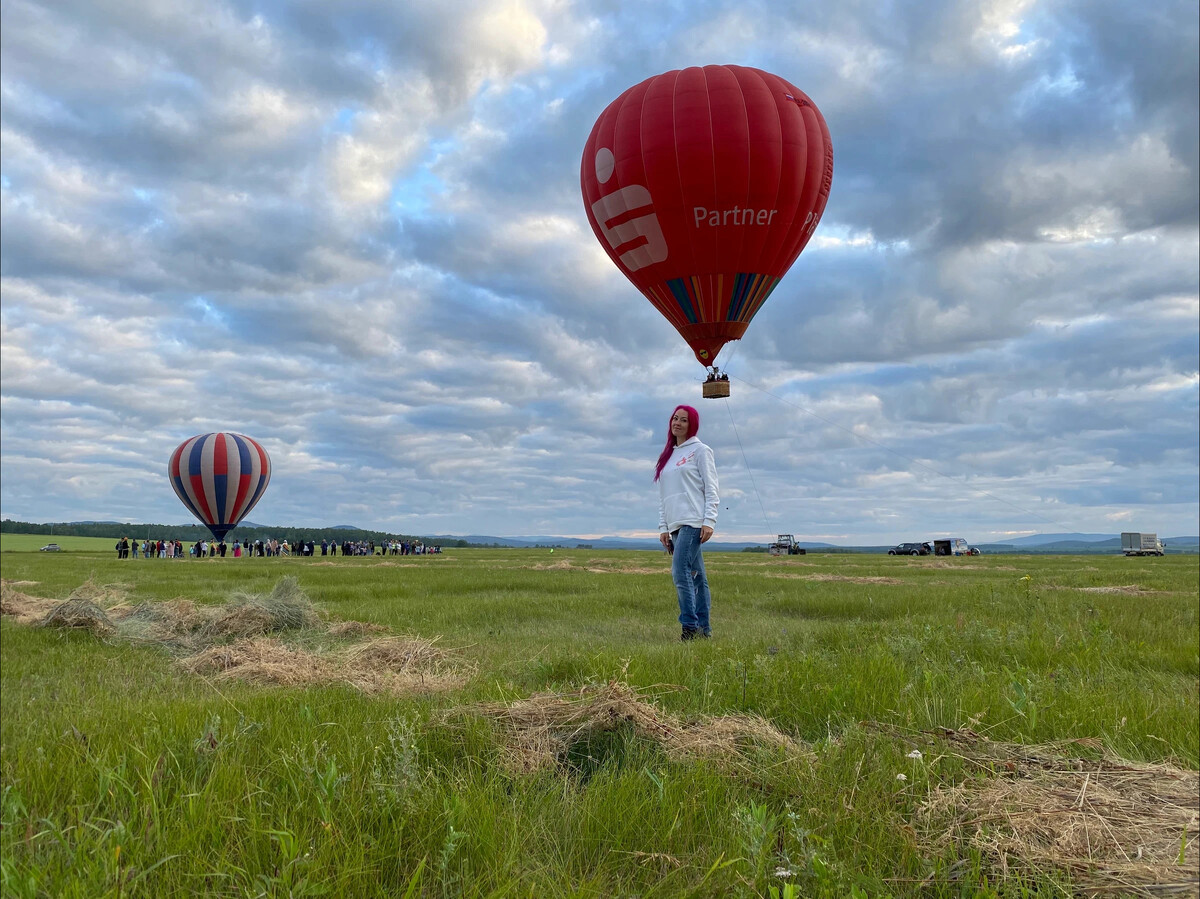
[219, 477]
[703, 185]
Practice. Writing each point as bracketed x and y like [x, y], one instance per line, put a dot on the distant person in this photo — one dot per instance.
[687, 513]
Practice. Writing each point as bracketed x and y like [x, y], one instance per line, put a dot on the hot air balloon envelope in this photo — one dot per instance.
[703, 185]
[219, 477]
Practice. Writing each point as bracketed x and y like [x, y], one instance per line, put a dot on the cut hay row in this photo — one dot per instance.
[1124, 590]
[596, 566]
[241, 639]
[542, 729]
[1118, 827]
[842, 578]
[82, 609]
[22, 608]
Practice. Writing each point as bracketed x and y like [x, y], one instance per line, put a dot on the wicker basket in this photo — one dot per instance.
[715, 389]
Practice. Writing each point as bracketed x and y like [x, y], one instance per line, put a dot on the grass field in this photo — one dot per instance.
[34, 542]
[844, 733]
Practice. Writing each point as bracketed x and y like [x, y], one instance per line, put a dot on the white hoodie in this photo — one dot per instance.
[687, 488]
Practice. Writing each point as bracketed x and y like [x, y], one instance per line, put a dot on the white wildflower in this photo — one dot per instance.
[902, 777]
[915, 754]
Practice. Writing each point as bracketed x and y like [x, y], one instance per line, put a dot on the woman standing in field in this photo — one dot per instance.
[687, 513]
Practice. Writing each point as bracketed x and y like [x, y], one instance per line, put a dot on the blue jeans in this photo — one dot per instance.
[691, 583]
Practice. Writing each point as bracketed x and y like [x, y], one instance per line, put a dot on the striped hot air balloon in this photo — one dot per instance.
[220, 477]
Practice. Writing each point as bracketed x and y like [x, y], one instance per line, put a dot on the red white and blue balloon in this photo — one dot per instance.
[220, 477]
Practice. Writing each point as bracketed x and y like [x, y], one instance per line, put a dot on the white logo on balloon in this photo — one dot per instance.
[650, 246]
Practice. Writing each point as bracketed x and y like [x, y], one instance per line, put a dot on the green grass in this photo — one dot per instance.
[34, 542]
[121, 775]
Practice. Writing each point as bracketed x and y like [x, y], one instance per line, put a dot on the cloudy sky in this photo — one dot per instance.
[354, 231]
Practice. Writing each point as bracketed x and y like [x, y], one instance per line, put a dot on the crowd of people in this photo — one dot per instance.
[213, 549]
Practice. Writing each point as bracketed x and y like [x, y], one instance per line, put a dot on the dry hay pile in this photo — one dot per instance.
[85, 608]
[264, 660]
[103, 595]
[182, 626]
[401, 665]
[542, 729]
[394, 665]
[355, 628]
[179, 624]
[1117, 827]
[173, 624]
[79, 614]
[21, 607]
[285, 608]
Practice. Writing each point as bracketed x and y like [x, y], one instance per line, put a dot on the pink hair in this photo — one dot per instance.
[693, 429]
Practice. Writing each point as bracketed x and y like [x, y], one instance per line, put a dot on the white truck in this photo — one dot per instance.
[1134, 543]
[953, 546]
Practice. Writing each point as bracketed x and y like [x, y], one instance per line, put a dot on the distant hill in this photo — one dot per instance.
[1040, 539]
[607, 542]
[1060, 544]
[1081, 543]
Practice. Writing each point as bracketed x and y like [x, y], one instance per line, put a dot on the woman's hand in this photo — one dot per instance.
[665, 540]
[705, 533]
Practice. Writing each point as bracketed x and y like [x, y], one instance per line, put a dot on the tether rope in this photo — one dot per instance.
[746, 462]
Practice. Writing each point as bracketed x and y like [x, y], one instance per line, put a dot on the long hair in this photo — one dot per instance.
[693, 428]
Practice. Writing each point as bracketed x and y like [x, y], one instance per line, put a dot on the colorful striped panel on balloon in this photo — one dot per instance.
[749, 293]
[689, 301]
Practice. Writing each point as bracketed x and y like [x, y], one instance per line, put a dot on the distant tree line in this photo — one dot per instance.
[190, 533]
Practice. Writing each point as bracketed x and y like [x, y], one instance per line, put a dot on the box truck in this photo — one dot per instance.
[1134, 543]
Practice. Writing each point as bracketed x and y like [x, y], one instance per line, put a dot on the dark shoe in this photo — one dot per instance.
[705, 634]
[689, 633]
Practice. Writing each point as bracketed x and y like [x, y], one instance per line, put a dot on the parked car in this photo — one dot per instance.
[50, 548]
[910, 549]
